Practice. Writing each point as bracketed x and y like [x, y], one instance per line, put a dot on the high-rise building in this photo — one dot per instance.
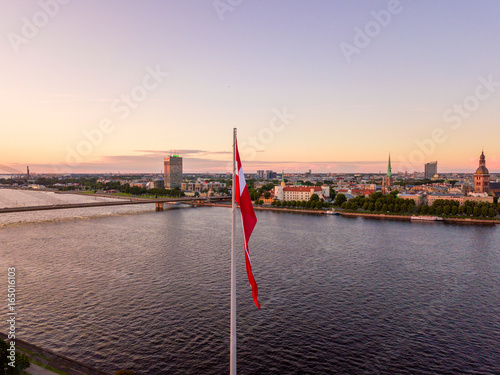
[173, 171]
[482, 176]
[270, 175]
[431, 169]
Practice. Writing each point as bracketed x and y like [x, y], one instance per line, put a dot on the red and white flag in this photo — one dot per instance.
[248, 219]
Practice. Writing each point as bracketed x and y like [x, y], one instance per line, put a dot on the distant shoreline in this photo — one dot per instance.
[467, 221]
[259, 208]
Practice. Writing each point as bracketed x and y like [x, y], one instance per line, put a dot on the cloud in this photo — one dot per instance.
[5, 168]
[151, 161]
[183, 152]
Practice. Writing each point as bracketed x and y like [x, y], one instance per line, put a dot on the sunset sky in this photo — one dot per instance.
[332, 86]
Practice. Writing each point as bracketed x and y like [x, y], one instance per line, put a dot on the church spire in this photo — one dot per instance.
[389, 169]
[283, 178]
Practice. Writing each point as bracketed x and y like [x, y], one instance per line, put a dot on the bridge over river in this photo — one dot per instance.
[119, 202]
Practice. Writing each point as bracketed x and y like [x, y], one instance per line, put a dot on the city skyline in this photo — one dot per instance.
[334, 87]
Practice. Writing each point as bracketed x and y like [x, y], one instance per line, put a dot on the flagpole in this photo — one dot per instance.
[232, 362]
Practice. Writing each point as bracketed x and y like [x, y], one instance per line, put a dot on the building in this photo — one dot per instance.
[270, 175]
[459, 198]
[260, 174]
[482, 176]
[387, 181]
[356, 192]
[418, 198]
[431, 169]
[173, 171]
[495, 188]
[300, 193]
[156, 184]
[199, 186]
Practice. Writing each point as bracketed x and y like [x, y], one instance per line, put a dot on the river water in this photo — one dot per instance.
[126, 287]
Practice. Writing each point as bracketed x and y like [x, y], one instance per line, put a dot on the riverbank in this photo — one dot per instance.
[407, 218]
[376, 216]
[449, 220]
[52, 361]
[259, 208]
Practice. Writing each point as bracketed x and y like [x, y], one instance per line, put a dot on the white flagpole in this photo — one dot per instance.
[232, 362]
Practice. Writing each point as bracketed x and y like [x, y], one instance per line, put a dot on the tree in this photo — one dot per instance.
[352, 206]
[339, 199]
[314, 198]
[267, 195]
[476, 211]
[333, 193]
[484, 211]
[492, 212]
[21, 360]
[319, 204]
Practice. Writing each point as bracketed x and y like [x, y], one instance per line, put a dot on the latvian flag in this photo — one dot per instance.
[248, 219]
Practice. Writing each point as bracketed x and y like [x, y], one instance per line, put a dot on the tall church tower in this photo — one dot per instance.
[482, 176]
[388, 181]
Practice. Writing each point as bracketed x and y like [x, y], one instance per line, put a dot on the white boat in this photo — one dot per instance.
[426, 218]
[331, 212]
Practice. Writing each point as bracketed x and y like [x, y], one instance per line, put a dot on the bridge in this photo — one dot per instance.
[159, 203]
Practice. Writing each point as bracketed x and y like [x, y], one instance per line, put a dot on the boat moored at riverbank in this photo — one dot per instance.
[426, 218]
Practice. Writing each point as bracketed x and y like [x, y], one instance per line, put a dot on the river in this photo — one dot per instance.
[127, 287]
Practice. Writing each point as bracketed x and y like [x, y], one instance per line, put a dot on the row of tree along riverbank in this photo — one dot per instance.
[368, 215]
